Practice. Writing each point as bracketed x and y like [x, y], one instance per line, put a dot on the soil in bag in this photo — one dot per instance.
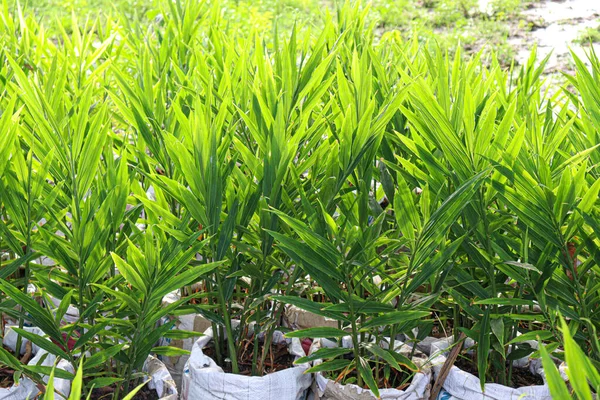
[6, 377]
[385, 377]
[520, 376]
[7, 374]
[388, 378]
[441, 329]
[278, 357]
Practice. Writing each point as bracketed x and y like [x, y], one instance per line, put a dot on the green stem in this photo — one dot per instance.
[491, 272]
[256, 367]
[228, 329]
[217, 337]
[580, 293]
[356, 345]
[277, 315]
[131, 351]
[27, 252]
[77, 222]
[21, 318]
[354, 333]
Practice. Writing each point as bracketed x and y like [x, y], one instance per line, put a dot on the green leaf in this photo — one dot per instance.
[403, 360]
[49, 394]
[102, 356]
[327, 275]
[323, 332]
[558, 387]
[64, 306]
[132, 303]
[44, 370]
[406, 213]
[483, 347]
[324, 354]
[132, 394]
[169, 351]
[387, 355]
[41, 317]
[316, 242]
[393, 318]
[131, 275]
[366, 372]
[532, 335]
[311, 306]
[10, 269]
[103, 382]
[579, 367]
[42, 342]
[6, 358]
[505, 302]
[179, 334]
[333, 365]
[189, 276]
[497, 326]
[77, 383]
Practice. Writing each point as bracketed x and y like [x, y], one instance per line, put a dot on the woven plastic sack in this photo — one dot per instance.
[419, 388]
[297, 318]
[204, 379]
[461, 385]
[188, 322]
[27, 389]
[160, 379]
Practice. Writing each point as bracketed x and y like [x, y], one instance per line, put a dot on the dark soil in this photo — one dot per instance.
[6, 377]
[397, 379]
[277, 359]
[520, 376]
[7, 374]
[442, 329]
[146, 394]
[106, 393]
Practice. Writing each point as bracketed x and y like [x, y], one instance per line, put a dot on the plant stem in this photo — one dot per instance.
[228, 330]
[255, 366]
[27, 252]
[355, 336]
[277, 316]
[217, 337]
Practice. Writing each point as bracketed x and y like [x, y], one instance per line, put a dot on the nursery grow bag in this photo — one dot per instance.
[462, 385]
[26, 389]
[71, 316]
[160, 379]
[204, 379]
[188, 322]
[419, 389]
[297, 318]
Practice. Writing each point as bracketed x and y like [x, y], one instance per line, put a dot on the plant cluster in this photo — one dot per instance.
[381, 183]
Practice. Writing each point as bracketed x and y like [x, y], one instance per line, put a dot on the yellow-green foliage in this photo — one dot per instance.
[365, 177]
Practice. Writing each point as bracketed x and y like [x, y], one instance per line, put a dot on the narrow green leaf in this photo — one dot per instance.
[324, 354]
[323, 332]
[483, 347]
[333, 365]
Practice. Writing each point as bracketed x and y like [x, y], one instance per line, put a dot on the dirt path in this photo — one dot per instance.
[556, 27]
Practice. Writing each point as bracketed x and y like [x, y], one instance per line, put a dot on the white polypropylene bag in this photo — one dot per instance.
[204, 379]
[461, 385]
[27, 389]
[297, 318]
[419, 389]
[189, 322]
[160, 379]
[71, 316]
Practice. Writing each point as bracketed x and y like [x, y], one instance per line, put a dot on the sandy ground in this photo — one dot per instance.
[556, 27]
